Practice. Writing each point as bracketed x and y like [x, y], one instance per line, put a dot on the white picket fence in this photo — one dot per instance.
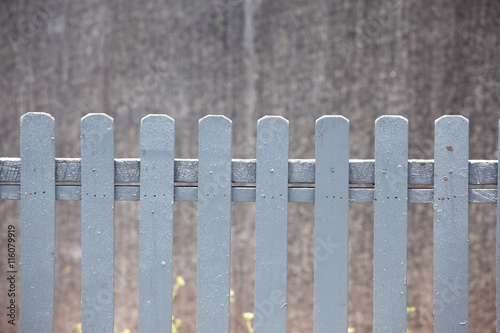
[38, 179]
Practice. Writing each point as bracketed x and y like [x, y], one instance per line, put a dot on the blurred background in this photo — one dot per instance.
[300, 59]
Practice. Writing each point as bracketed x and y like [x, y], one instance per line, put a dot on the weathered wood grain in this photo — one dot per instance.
[247, 194]
[420, 172]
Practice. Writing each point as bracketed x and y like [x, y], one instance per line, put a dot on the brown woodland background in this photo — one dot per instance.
[245, 59]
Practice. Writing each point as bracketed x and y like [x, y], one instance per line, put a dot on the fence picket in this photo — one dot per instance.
[156, 223]
[331, 227]
[37, 223]
[390, 224]
[271, 225]
[214, 224]
[451, 209]
[97, 223]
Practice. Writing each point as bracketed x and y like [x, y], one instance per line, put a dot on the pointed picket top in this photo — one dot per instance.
[388, 119]
[213, 126]
[214, 118]
[335, 121]
[391, 132]
[332, 128]
[269, 127]
[274, 122]
[97, 120]
[452, 119]
[37, 222]
[331, 224]
[162, 120]
[39, 117]
[391, 150]
[459, 125]
[156, 223]
[272, 117]
[457, 122]
[98, 115]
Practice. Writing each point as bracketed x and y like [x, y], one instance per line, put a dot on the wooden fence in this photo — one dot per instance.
[331, 181]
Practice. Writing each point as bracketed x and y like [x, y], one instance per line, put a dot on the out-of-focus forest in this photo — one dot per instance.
[245, 59]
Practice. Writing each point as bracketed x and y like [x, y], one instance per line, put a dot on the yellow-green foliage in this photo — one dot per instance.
[248, 316]
[79, 329]
[176, 322]
[179, 282]
[248, 320]
[409, 310]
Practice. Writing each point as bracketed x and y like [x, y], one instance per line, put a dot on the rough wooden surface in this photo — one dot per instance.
[420, 172]
[247, 194]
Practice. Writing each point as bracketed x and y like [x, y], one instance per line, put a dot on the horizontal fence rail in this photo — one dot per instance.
[127, 170]
[301, 178]
[450, 181]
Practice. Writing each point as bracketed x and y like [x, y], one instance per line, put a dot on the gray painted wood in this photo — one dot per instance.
[97, 195]
[214, 224]
[451, 210]
[247, 194]
[362, 172]
[271, 225]
[331, 228]
[156, 223]
[420, 172]
[37, 224]
[390, 224]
